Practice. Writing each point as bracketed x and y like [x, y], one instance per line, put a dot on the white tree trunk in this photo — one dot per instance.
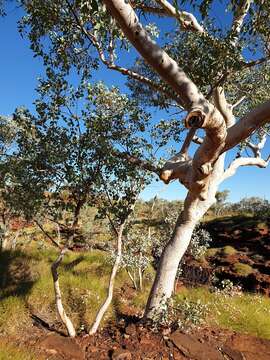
[58, 298]
[108, 300]
[173, 252]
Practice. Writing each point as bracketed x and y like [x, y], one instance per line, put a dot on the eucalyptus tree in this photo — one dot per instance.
[61, 162]
[216, 73]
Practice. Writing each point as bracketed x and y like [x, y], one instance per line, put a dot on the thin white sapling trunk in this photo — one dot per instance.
[115, 268]
[58, 297]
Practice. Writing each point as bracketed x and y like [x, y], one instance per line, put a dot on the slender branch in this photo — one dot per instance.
[255, 62]
[256, 148]
[223, 106]
[238, 102]
[231, 170]
[47, 234]
[187, 20]
[189, 138]
[247, 125]
[143, 164]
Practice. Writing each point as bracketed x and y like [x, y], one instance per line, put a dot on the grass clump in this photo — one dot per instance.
[14, 316]
[229, 250]
[244, 313]
[242, 269]
[12, 352]
[211, 252]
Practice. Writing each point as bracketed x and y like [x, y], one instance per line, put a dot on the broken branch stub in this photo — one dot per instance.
[195, 119]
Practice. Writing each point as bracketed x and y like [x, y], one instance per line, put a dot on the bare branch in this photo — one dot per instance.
[255, 62]
[247, 125]
[257, 148]
[238, 102]
[231, 170]
[202, 114]
[178, 167]
[187, 20]
[48, 235]
[223, 106]
[190, 136]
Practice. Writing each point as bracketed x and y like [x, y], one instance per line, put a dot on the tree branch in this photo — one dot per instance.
[187, 20]
[238, 102]
[112, 66]
[238, 19]
[256, 148]
[143, 164]
[201, 114]
[231, 170]
[247, 125]
[157, 58]
[224, 108]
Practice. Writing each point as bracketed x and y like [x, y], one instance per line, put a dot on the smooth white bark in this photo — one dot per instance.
[58, 297]
[173, 252]
[108, 300]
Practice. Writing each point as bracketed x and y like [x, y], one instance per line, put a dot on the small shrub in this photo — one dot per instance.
[243, 269]
[183, 314]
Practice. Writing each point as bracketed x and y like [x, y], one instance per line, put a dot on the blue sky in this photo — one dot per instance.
[19, 71]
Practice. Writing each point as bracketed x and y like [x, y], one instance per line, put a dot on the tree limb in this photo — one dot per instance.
[231, 170]
[224, 108]
[247, 125]
[238, 19]
[160, 61]
[256, 148]
[201, 114]
[187, 20]
[112, 66]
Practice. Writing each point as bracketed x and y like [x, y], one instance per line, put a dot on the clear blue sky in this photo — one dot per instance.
[19, 71]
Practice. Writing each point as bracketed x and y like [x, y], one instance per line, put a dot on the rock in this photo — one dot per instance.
[64, 346]
[192, 348]
[233, 354]
[121, 354]
[251, 347]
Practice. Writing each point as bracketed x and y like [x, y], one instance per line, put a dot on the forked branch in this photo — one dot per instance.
[187, 20]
